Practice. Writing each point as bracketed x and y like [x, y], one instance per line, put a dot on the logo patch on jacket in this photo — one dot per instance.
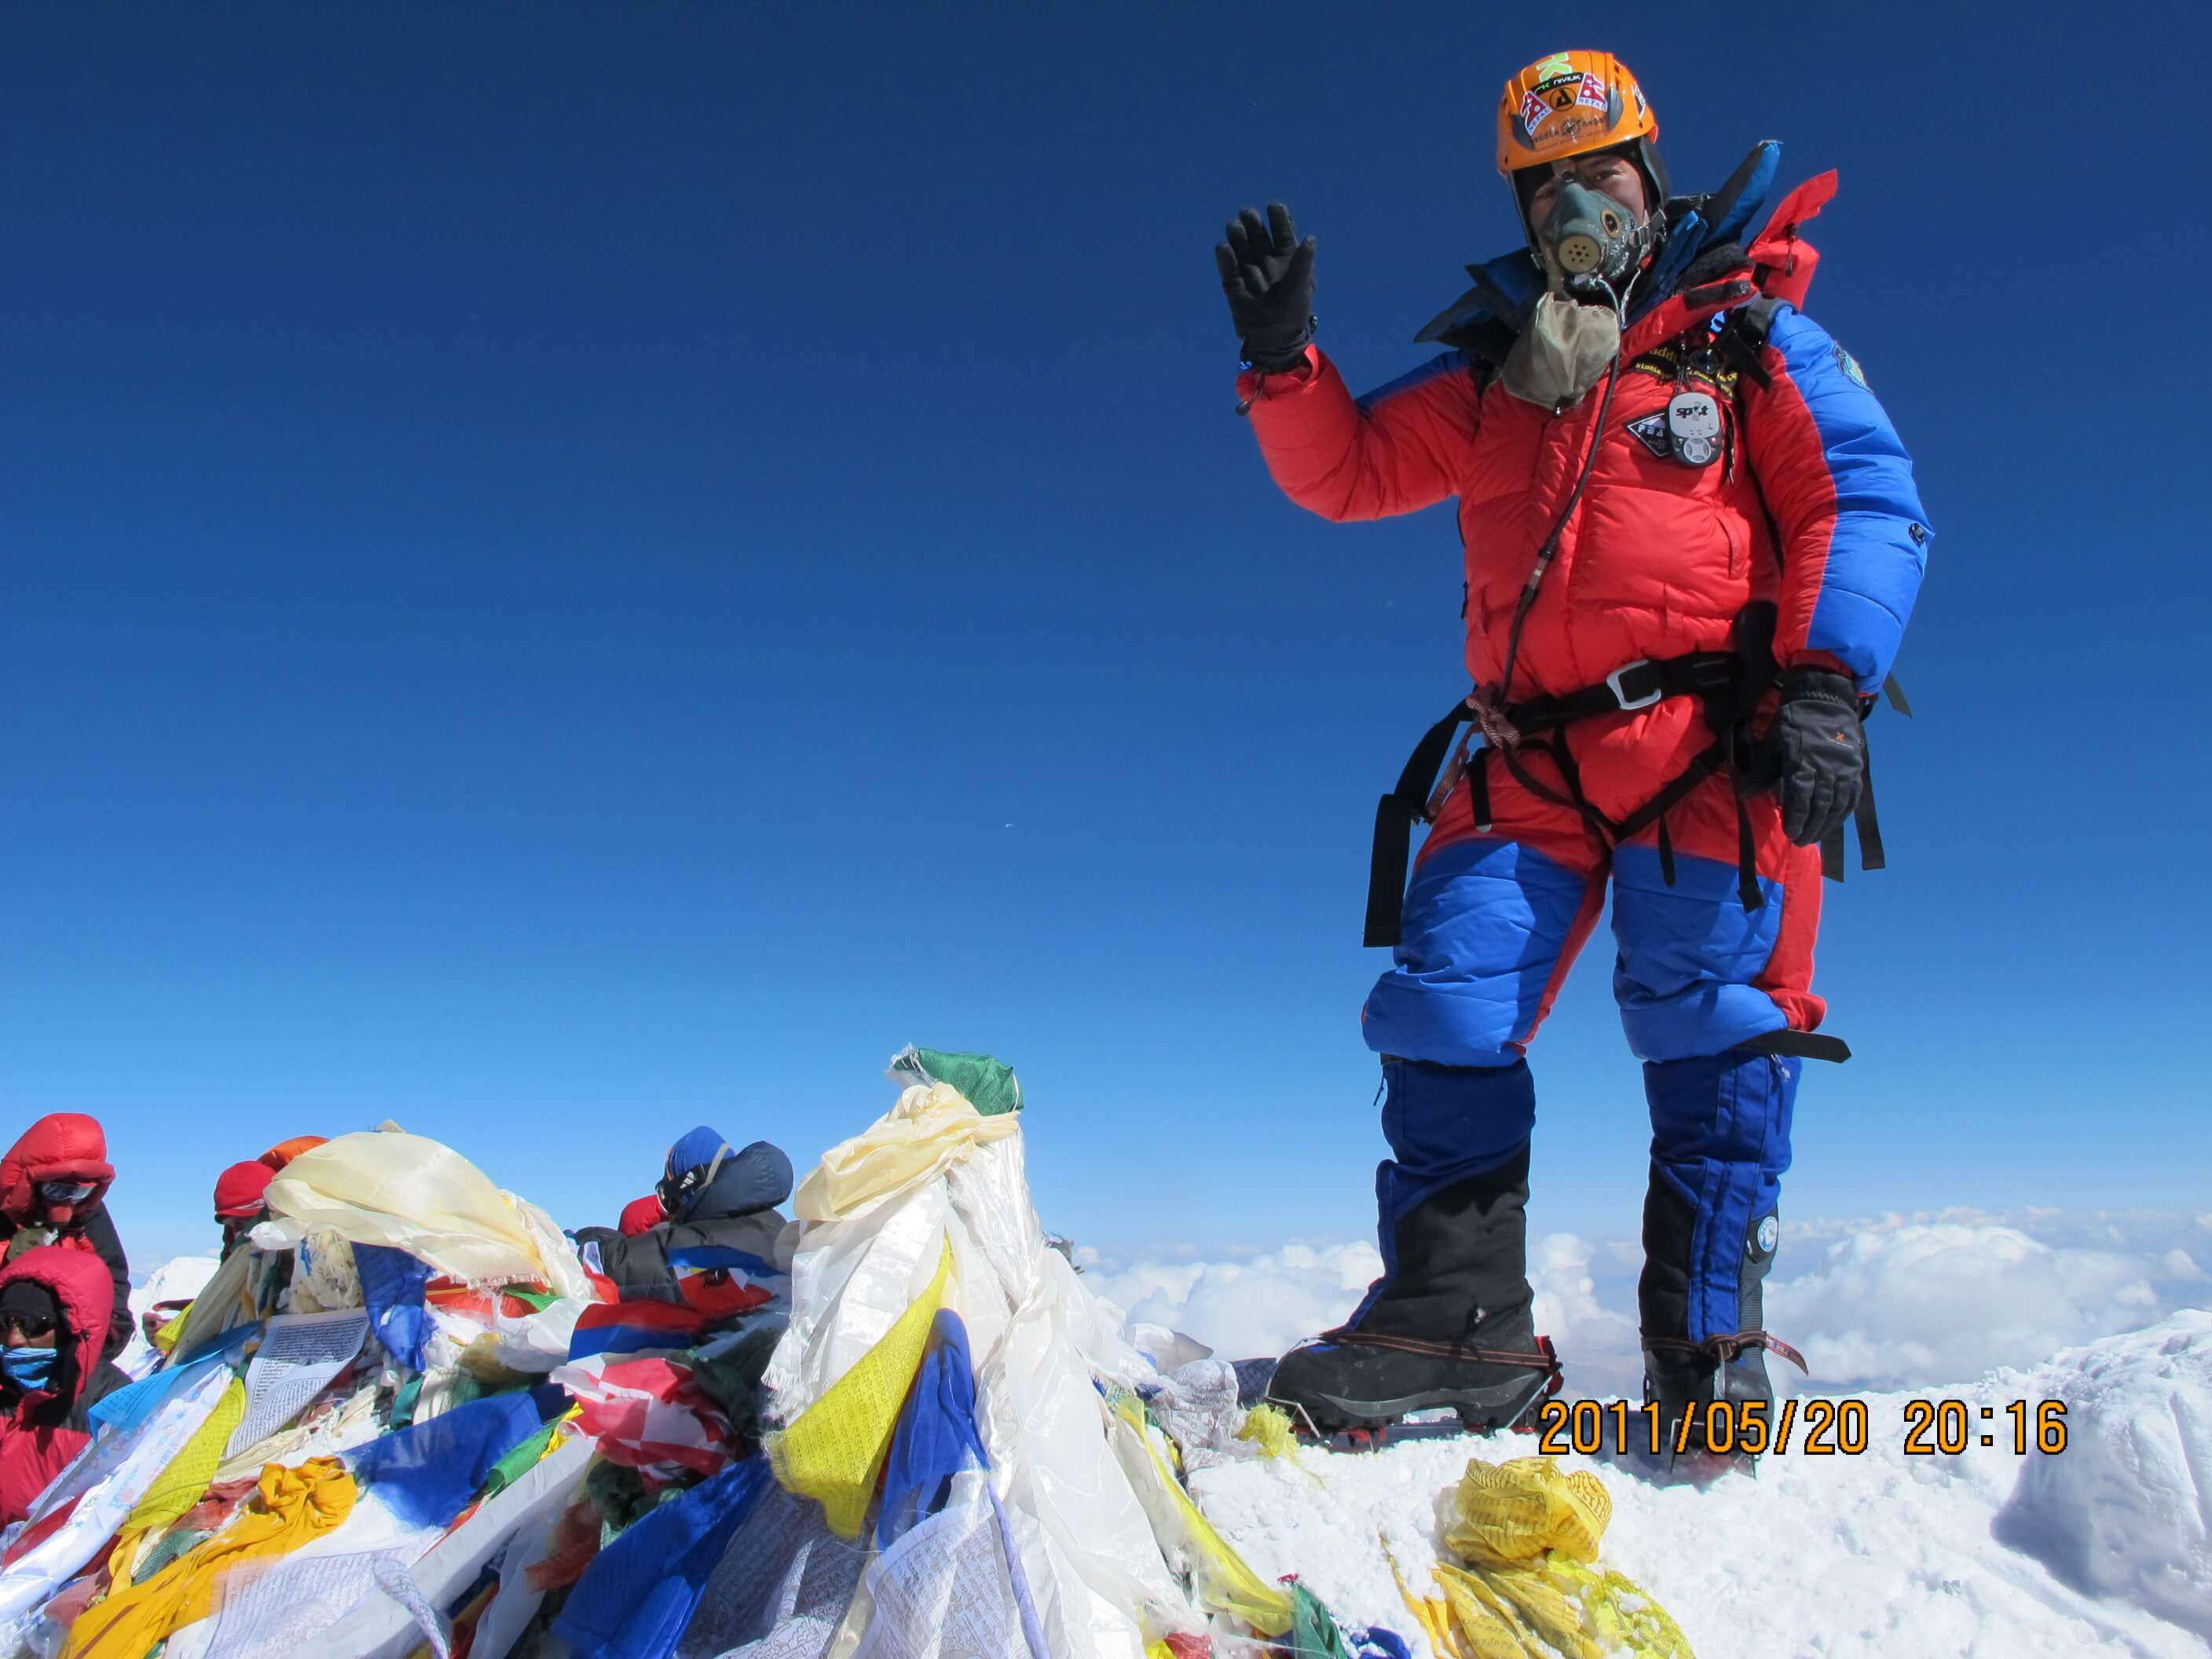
[1652, 430]
[1849, 365]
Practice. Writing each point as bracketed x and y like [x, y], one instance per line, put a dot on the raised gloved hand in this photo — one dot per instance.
[1268, 274]
[1818, 753]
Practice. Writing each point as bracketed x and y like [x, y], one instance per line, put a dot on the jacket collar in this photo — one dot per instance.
[1485, 319]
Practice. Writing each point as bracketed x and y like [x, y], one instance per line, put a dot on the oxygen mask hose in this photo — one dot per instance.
[1551, 546]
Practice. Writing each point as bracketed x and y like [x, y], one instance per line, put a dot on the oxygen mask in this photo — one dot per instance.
[1592, 246]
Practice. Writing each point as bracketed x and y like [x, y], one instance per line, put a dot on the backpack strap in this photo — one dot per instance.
[1742, 338]
[1390, 855]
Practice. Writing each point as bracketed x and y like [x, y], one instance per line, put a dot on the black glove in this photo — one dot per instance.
[1268, 274]
[1818, 753]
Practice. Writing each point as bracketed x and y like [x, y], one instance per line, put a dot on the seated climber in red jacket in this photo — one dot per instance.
[54, 1307]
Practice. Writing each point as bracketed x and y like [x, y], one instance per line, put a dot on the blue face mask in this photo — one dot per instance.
[28, 1368]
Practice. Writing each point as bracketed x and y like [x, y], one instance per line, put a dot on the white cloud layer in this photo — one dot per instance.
[1242, 1309]
[1917, 1304]
[1889, 1302]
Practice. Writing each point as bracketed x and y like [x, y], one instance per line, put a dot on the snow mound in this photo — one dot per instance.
[2127, 1510]
[2100, 1550]
[177, 1280]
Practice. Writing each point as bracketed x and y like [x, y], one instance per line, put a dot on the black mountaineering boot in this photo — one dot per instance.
[1449, 1327]
[1728, 1369]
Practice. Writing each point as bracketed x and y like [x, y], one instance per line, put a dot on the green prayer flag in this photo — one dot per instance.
[989, 1086]
[1314, 1634]
[519, 1462]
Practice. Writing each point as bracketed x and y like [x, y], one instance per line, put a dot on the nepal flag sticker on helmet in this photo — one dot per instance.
[1560, 86]
[1693, 428]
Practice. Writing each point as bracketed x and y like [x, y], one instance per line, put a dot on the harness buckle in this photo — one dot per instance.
[1616, 683]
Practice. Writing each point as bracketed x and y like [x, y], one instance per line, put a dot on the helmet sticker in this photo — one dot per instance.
[1572, 129]
[1557, 95]
[1556, 67]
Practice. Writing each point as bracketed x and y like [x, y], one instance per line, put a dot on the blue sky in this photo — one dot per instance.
[574, 571]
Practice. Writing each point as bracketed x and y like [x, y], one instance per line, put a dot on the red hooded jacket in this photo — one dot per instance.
[39, 1432]
[69, 1146]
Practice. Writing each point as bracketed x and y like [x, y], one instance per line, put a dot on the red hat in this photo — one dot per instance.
[238, 1189]
[642, 1214]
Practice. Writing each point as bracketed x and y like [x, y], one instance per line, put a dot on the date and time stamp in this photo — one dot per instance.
[1812, 1426]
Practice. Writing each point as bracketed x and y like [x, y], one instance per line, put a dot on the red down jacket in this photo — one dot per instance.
[1658, 558]
[69, 1146]
[40, 1433]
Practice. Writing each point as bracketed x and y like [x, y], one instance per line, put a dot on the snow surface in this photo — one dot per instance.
[2102, 1549]
[2106, 1549]
[2127, 1510]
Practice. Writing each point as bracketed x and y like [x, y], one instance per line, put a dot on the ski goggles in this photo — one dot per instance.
[677, 1193]
[33, 1326]
[67, 1192]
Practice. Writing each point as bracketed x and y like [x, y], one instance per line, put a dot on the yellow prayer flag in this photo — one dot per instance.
[835, 1451]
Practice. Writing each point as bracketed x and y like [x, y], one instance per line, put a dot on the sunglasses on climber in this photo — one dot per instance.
[35, 1327]
[67, 1192]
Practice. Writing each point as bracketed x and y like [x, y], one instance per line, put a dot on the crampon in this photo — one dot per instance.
[1499, 1391]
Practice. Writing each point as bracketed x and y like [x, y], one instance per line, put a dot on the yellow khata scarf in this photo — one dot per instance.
[293, 1506]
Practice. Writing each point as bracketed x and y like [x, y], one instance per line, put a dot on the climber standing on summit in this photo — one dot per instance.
[1692, 542]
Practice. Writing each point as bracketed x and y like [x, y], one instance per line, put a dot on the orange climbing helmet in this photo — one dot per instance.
[1573, 103]
[1569, 104]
